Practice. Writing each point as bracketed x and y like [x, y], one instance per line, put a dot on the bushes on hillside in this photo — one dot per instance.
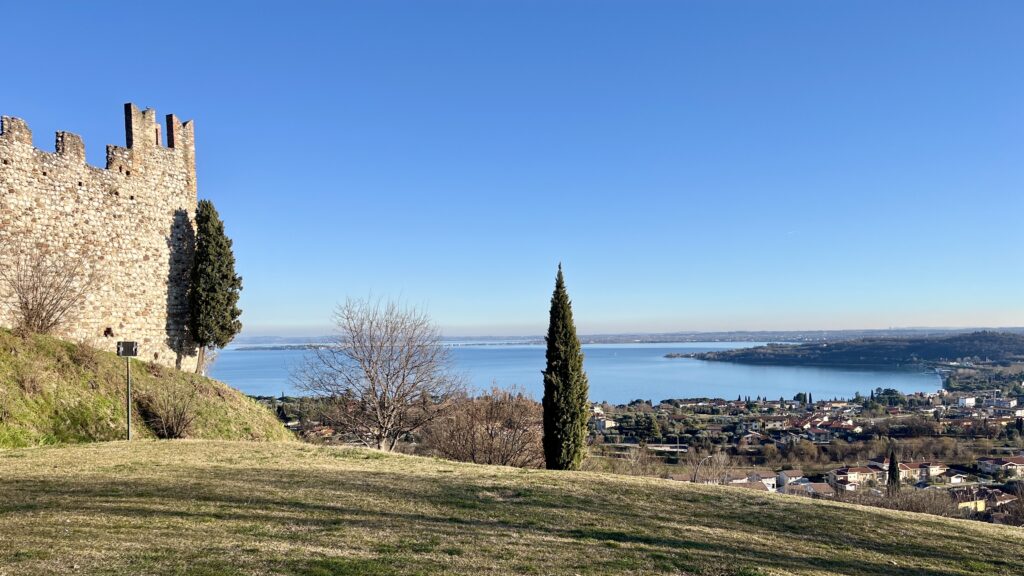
[169, 412]
[502, 427]
[935, 502]
[85, 356]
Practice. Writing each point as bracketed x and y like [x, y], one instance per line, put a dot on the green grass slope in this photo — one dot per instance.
[53, 391]
[207, 507]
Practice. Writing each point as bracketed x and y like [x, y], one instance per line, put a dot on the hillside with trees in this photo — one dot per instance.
[990, 347]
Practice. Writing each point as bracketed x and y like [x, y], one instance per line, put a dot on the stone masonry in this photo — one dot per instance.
[130, 224]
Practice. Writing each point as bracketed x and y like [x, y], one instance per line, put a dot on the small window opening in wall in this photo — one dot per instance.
[127, 172]
[79, 183]
[156, 355]
[5, 161]
[131, 197]
[44, 173]
[108, 332]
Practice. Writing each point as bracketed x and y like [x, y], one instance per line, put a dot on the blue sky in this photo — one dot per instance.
[696, 165]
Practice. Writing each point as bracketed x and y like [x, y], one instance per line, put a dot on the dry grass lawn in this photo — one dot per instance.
[214, 507]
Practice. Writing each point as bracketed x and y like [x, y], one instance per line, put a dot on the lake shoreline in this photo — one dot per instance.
[618, 373]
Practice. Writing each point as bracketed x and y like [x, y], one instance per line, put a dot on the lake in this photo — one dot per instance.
[618, 373]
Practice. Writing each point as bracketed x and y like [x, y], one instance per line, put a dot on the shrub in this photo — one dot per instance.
[937, 502]
[47, 290]
[85, 356]
[503, 427]
[155, 369]
[29, 377]
[169, 413]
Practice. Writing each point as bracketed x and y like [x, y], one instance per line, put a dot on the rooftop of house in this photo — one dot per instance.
[759, 486]
[1002, 461]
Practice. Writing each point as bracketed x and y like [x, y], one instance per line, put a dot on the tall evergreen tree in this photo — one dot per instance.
[893, 480]
[213, 295]
[566, 390]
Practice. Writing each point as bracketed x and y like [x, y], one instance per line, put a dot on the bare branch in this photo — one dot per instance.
[386, 374]
[47, 290]
[503, 427]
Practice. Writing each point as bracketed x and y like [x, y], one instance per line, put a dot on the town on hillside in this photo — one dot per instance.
[965, 446]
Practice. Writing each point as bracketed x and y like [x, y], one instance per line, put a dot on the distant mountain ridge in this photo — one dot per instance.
[983, 345]
[264, 342]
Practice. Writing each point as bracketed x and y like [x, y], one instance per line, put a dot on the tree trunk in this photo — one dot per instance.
[200, 360]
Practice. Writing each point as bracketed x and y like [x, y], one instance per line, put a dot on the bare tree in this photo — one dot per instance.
[169, 412]
[46, 290]
[937, 502]
[641, 462]
[386, 374]
[709, 468]
[502, 427]
[1015, 510]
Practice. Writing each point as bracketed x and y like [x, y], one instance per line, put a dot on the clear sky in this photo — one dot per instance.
[696, 165]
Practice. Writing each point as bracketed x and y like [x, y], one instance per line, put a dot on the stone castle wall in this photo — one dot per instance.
[131, 225]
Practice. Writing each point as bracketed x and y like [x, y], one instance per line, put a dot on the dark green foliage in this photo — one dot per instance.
[994, 346]
[213, 297]
[639, 427]
[893, 480]
[566, 391]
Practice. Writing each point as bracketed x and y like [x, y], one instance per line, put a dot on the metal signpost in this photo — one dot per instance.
[128, 350]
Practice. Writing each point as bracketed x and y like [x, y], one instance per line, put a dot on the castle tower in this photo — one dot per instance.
[129, 225]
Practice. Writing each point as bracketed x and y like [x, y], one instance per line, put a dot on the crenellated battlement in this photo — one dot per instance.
[143, 139]
[134, 218]
[142, 130]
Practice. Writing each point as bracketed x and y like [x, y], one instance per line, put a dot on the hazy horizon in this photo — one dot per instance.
[314, 331]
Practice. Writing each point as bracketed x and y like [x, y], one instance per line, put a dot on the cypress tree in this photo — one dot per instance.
[893, 480]
[213, 295]
[566, 391]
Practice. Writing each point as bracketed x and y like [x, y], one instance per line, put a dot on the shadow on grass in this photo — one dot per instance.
[603, 526]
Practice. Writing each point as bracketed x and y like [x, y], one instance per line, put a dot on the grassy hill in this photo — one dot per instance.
[209, 507]
[55, 391]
